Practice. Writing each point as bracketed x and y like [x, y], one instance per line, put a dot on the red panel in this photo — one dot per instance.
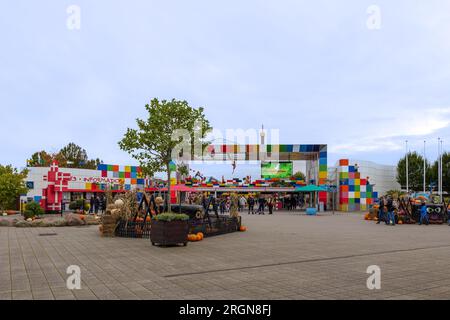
[115, 168]
[127, 174]
[343, 162]
[104, 174]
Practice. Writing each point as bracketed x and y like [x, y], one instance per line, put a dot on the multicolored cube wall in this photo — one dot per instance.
[355, 192]
[122, 177]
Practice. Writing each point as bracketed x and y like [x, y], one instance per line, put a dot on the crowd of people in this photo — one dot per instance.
[251, 203]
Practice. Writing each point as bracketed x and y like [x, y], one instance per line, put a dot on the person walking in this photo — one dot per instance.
[261, 202]
[242, 203]
[251, 205]
[381, 216]
[270, 204]
[423, 214]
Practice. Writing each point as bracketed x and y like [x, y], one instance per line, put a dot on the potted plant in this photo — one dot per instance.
[169, 229]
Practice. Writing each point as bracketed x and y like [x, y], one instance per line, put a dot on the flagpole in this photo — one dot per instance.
[424, 167]
[407, 169]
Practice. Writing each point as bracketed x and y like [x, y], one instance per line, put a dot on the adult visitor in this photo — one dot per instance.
[423, 214]
[270, 204]
[261, 202]
[251, 205]
[381, 215]
[390, 209]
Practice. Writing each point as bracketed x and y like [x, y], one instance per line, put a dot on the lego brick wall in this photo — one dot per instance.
[355, 192]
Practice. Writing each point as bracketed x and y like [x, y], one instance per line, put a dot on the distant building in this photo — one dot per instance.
[360, 183]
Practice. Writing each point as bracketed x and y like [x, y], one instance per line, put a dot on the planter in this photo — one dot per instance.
[168, 233]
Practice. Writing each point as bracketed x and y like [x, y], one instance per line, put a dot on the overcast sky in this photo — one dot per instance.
[312, 69]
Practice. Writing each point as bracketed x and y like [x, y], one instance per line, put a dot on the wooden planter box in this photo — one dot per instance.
[167, 233]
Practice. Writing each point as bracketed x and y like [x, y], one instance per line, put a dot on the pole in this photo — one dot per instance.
[439, 167]
[424, 167]
[407, 169]
[442, 184]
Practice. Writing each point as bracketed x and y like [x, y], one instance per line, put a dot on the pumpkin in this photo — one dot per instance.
[82, 216]
[200, 234]
[400, 221]
[192, 237]
[242, 228]
[148, 219]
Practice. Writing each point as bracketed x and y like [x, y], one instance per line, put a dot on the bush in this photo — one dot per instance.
[171, 217]
[79, 204]
[33, 209]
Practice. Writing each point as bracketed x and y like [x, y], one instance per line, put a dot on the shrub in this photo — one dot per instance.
[171, 217]
[33, 209]
[79, 204]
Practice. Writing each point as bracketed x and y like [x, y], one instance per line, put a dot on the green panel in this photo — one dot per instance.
[110, 167]
[276, 169]
[357, 188]
[351, 200]
[368, 195]
[269, 148]
[121, 174]
[323, 167]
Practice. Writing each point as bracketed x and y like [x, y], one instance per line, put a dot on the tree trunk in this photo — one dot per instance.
[168, 187]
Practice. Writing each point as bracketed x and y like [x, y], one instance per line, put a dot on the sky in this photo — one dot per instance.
[314, 70]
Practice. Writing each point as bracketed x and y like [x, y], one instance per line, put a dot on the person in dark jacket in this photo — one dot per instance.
[251, 205]
[381, 215]
[390, 209]
[261, 202]
[97, 204]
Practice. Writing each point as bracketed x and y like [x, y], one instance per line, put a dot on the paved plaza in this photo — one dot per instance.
[283, 256]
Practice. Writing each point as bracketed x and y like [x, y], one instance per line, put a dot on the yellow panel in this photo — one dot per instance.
[323, 175]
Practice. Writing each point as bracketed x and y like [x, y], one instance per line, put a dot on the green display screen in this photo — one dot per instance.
[276, 170]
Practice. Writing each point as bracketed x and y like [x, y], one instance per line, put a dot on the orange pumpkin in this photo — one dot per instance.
[82, 216]
[400, 221]
[242, 228]
[192, 237]
[148, 219]
[200, 234]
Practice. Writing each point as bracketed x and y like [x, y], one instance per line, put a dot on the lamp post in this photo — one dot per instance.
[424, 167]
[440, 170]
[407, 169]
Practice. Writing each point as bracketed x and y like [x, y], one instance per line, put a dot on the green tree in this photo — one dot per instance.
[445, 172]
[12, 185]
[75, 156]
[70, 156]
[152, 143]
[415, 169]
[299, 176]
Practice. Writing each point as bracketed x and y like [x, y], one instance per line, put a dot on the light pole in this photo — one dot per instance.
[424, 167]
[441, 168]
[407, 169]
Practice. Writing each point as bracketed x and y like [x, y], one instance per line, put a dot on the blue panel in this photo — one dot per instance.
[102, 167]
[127, 187]
[290, 148]
[133, 175]
[303, 148]
[351, 182]
[375, 195]
[140, 181]
[351, 188]
[363, 195]
[357, 200]
[323, 161]
[37, 198]
[115, 174]
[323, 154]
[351, 168]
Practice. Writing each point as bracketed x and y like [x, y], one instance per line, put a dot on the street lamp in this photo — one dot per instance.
[407, 171]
